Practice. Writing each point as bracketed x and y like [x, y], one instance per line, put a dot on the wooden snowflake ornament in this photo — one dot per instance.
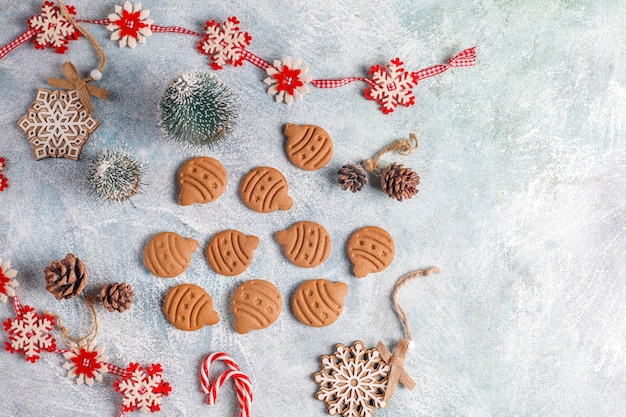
[57, 124]
[353, 381]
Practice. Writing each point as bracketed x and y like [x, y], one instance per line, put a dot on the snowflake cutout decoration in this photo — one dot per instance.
[287, 80]
[7, 283]
[29, 333]
[353, 381]
[142, 389]
[391, 86]
[52, 28]
[130, 25]
[224, 43]
[57, 124]
[86, 363]
[3, 164]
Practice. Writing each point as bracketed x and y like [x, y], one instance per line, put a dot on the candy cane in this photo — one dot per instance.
[242, 382]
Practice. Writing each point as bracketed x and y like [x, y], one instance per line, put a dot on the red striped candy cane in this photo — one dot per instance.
[242, 382]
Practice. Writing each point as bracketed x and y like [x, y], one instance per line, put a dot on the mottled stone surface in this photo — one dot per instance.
[522, 163]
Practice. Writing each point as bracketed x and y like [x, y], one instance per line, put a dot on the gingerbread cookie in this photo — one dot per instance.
[230, 252]
[264, 189]
[168, 254]
[371, 249]
[309, 147]
[189, 307]
[201, 180]
[306, 244]
[256, 305]
[319, 302]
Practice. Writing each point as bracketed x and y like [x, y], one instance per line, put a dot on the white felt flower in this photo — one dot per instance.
[287, 80]
[86, 363]
[130, 25]
[7, 283]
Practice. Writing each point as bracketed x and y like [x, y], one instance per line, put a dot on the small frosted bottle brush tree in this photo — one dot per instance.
[196, 108]
[115, 175]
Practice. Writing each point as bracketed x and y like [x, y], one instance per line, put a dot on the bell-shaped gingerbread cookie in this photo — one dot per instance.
[306, 244]
[319, 302]
[265, 189]
[168, 254]
[189, 307]
[230, 252]
[371, 249]
[256, 305]
[201, 180]
[309, 147]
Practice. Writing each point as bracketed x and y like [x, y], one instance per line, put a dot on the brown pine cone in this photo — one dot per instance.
[117, 296]
[399, 182]
[67, 278]
[353, 177]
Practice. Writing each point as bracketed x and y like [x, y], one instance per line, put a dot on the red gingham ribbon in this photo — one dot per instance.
[255, 60]
[115, 370]
[23, 38]
[338, 83]
[17, 306]
[466, 58]
[242, 382]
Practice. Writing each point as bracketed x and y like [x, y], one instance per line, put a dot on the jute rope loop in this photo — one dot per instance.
[403, 147]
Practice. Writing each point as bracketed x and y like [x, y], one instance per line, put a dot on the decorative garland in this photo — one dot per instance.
[30, 333]
[390, 85]
[4, 181]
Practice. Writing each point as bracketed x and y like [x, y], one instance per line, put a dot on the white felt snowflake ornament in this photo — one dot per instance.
[287, 80]
[391, 86]
[30, 333]
[86, 363]
[353, 381]
[52, 28]
[225, 43]
[7, 283]
[142, 389]
[130, 25]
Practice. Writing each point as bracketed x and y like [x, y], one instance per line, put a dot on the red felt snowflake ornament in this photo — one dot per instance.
[52, 29]
[224, 43]
[142, 389]
[4, 182]
[29, 333]
[391, 86]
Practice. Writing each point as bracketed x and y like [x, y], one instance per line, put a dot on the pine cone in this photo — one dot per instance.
[67, 278]
[117, 296]
[399, 182]
[353, 177]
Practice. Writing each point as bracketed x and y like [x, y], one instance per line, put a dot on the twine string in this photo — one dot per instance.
[65, 332]
[402, 281]
[403, 147]
[102, 57]
[397, 373]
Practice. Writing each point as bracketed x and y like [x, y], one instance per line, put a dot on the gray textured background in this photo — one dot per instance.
[521, 204]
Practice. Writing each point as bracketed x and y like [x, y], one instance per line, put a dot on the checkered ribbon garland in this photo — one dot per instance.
[466, 58]
[23, 38]
[225, 43]
[33, 332]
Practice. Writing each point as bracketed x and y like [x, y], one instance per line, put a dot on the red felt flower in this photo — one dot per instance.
[130, 24]
[287, 80]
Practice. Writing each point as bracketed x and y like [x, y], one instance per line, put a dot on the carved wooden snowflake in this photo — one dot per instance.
[224, 43]
[142, 389]
[29, 334]
[130, 25]
[392, 86]
[352, 381]
[86, 363]
[7, 283]
[52, 28]
[57, 124]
